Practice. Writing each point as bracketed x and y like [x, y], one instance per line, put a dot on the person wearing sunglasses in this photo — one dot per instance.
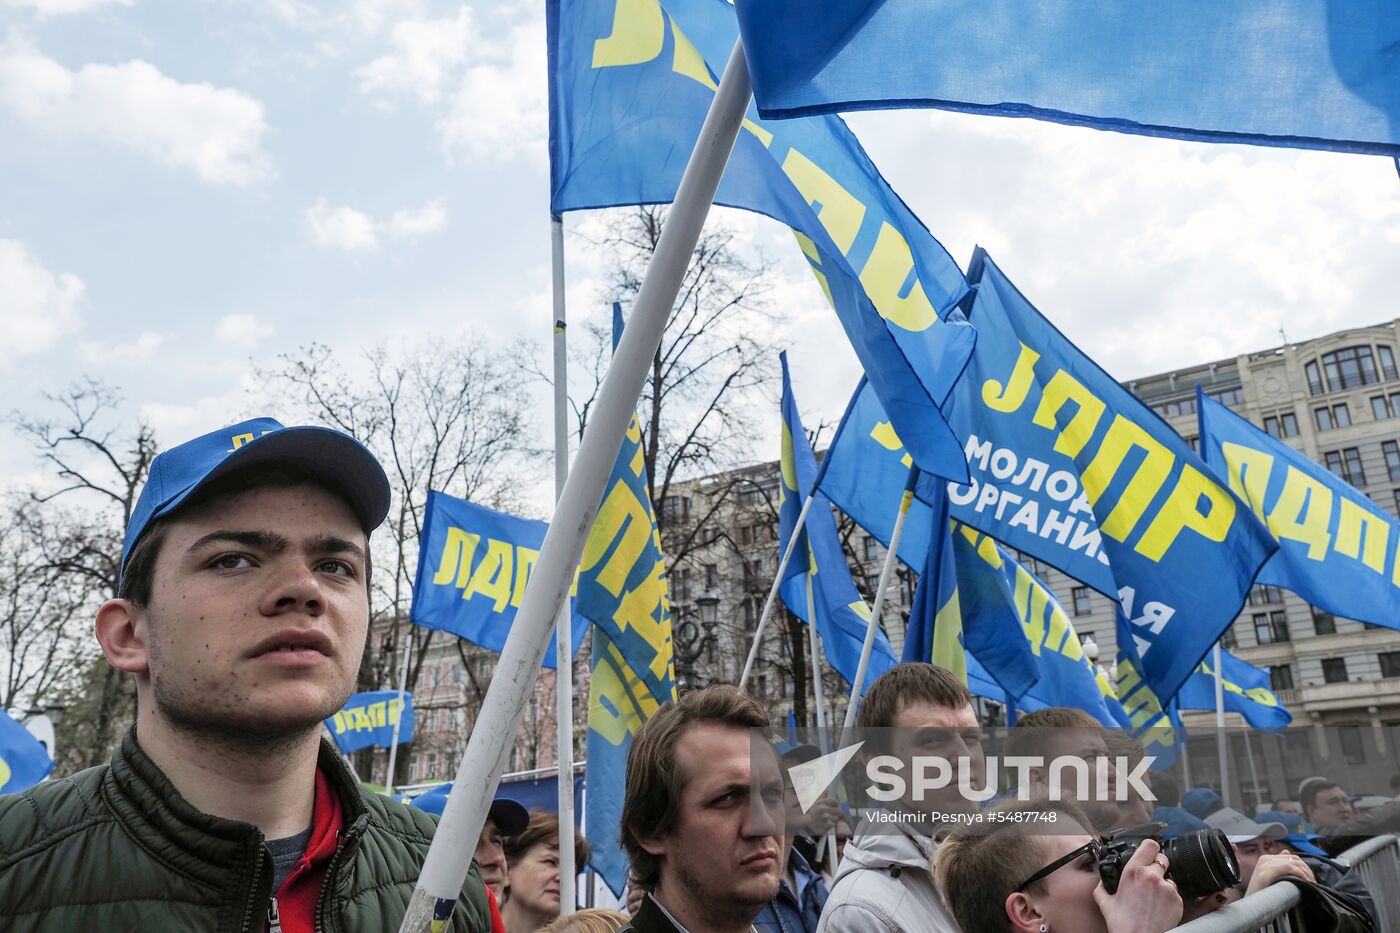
[1006, 881]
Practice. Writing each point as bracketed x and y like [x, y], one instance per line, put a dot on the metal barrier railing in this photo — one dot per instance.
[1376, 860]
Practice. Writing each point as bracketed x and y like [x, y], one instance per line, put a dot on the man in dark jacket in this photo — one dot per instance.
[242, 615]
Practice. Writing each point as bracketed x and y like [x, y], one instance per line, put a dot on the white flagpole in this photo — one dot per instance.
[1222, 742]
[407, 641]
[449, 856]
[827, 848]
[773, 592]
[886, 572]
[563, 624]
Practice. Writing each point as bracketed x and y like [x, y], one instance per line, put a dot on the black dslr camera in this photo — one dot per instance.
[1199, 863]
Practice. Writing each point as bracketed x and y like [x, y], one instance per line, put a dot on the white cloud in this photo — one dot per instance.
[215, 132]
[138, 350]
[500, 108]
[340, 227]
[40, 307]
[346, 228]
[428, 219]
[62, 7]
[425, 53]
[241, 330]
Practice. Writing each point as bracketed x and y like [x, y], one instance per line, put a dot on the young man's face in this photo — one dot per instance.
[1331, 808]
[258, 613]
[1248, 854]
[947, 732]
[726, 847]
[1087, 745]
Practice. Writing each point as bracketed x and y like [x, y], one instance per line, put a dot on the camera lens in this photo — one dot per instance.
[1201, 863]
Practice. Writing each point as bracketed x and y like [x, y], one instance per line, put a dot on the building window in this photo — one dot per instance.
[1392, 459]
[1337, 416]
[675, 510]
[1334, 670]
[680, 584]
[1352, 749]
[1390, 663]
[1281, 677]
[1346, 463]
[1262, 595]
[1350, 368]
[1227, 639]
[1185, 406]
[1083, 602]
[1380, 407]
[869, 547]
[1270, 627]
[1282, 425]
[1315, 386]
[711, 577]
[1233, 396]
[1323, 622]
[1387, 362]
[1194, 442]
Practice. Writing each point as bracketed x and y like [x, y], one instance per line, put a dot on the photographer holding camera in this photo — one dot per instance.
[1073, 882]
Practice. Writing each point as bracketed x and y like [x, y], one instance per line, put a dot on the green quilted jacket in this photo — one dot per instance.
[117, 848]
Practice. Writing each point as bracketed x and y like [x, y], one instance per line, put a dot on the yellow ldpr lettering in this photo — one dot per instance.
[787, 466]
[1060, 637]
[619, 701]
[688, 62]
[621, 518]
[1248, 472]
[1030, 606]
[395, 708]
[638, 33]
[1302, 513]
[884, 275]
[841, 214]
[456, 560]
[1089, 409]
[1364, 534]
[814, 259]
[493, 575]
[883, 434]
[634, 437]
[1183, 510]
[525, 558]
[239, 440]
[1124, 435]
[646, 611]
[5, 772]
[1009, 397]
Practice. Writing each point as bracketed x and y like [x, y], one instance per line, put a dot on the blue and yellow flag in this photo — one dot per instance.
[1304, 73]
[841, 615]
[473, 563]
[622, 588]
[1245, 689]
[935, 629]
[630, 84]
[1337, 548]
[368, 719]
[24, 761]
[1071, 468]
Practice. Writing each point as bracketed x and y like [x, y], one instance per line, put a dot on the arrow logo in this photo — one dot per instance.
[812, 779]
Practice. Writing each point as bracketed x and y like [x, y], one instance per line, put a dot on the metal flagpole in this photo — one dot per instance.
[449, 856]
[828, 842]
[773, 592]
[1253, 769]
[1221, 740]
[394, 742]
[563, 623]
[886, 572]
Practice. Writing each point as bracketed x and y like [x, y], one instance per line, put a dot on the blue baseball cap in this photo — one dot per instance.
[180, 472]
[509, 815]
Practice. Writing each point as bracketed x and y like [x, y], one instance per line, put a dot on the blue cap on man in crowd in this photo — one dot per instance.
[1201, 802]
[1298, 837]
[339, 459]
[510, 816]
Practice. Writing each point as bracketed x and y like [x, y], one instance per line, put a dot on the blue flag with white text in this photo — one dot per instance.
[1245, 689]
[473, 563]
[841, 615]
[1304, 73]
[1073, 469]
[630, 84]
[1337, 548]
[24, 761]
[367, 719]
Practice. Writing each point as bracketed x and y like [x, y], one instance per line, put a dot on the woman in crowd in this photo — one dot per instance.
[531, 898]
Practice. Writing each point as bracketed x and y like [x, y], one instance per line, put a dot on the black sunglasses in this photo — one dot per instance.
[1092, 847]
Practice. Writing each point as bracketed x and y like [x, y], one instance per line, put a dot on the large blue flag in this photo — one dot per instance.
[368, 719]
[1306, 73]
[935, 629]
[841, 615]
[1245, 689]
[1071, 468]
[1337, 548]
[473, 563]
[1153, 720]
[24, 761]
[630, 84]
[622, 588]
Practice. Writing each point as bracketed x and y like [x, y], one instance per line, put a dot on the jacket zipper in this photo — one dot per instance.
[249, 912]
[348, 836]
[274, 917]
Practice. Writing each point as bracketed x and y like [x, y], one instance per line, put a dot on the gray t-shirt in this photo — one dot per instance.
[285, 855]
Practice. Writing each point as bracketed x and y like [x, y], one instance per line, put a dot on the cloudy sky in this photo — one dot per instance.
[188, 189]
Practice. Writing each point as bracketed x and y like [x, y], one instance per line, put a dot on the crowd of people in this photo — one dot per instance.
[243, 615]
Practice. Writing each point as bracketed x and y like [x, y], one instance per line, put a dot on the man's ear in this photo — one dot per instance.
[1025, 917]
[121, 631]
[651, 844]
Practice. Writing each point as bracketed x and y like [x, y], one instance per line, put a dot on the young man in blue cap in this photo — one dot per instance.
[242, 615]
